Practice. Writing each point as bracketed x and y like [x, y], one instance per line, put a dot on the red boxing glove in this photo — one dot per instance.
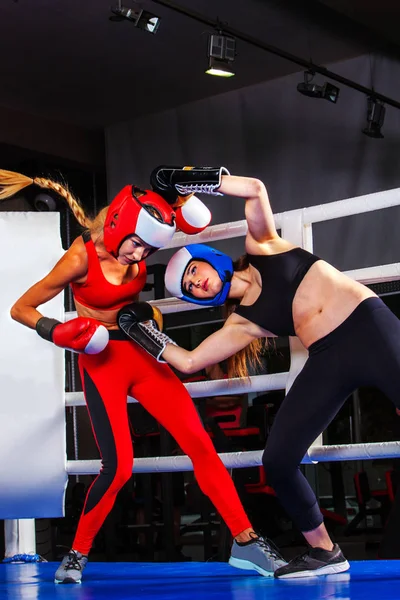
[83, 334]
[193, 216]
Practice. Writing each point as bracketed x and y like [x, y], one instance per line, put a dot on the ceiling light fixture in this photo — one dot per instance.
[327, 91]
[221, 54]
[141, 19]
[375, 118]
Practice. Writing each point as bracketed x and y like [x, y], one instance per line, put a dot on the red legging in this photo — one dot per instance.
[124, 369]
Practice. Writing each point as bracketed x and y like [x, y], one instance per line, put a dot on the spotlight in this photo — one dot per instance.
[220, 68]
[375, 117]
[327, 91]
[330, 92]
[221, 54]
[44, 203]
[141, 19]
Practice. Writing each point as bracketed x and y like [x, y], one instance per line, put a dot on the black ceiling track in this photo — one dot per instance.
[306, 64]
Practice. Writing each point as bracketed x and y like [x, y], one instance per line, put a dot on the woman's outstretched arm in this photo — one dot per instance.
[225, 342]
[258, 212]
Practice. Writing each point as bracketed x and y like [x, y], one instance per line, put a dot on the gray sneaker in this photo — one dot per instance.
[258, 555]
[70, 570]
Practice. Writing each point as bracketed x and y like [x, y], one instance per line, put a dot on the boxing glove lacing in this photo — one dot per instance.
[158, 336]
[199, 188]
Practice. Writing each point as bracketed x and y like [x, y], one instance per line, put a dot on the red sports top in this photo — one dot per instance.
[100, 294]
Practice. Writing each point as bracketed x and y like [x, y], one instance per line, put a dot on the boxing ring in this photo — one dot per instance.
[33, 435]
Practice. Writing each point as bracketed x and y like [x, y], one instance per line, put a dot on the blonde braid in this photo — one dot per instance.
[11, 183]
[72, 202]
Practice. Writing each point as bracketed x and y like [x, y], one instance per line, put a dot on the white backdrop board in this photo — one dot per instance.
[32, 407]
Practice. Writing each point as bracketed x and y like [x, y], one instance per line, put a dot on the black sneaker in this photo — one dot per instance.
[316, 561]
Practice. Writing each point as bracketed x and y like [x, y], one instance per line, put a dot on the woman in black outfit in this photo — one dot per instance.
[352, 339]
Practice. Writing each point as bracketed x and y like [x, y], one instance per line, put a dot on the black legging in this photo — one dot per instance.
[362, 351]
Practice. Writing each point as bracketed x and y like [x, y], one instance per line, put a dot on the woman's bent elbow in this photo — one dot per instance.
[17, 313]
[14, 312]
[258, 187]
[187, 367]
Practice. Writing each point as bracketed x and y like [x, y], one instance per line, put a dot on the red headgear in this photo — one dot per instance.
[149, 217]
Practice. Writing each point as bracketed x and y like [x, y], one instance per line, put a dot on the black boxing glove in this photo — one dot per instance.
[171, 181]
[139, 322]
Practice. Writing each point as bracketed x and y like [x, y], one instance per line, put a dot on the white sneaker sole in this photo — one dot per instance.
[328, 570]
[246, 565]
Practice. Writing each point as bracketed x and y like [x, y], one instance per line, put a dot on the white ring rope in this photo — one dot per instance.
[307, 216]
[253, 458]
[217, 387]
[367, 275]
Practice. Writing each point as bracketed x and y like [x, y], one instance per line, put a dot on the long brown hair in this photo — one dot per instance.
[249, 357]
[11, 183]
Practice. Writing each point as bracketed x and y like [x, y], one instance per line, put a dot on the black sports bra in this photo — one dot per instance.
[281, 275]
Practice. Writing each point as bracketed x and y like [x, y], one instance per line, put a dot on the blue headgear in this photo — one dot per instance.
[177, 266]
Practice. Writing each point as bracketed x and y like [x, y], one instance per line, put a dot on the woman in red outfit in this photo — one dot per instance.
[106, 270]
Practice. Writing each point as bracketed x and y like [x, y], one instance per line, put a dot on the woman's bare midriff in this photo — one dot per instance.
[324, 299]
[108, 318]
